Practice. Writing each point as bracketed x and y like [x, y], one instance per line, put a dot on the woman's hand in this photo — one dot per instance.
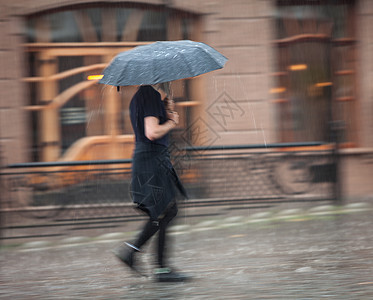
[173, 116]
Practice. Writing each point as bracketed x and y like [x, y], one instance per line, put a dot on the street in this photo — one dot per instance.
[319, 257]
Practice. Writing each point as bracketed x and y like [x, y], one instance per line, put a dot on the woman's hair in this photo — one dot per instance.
[164, 86]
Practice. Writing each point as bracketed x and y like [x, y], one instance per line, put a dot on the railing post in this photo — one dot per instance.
[336, 138]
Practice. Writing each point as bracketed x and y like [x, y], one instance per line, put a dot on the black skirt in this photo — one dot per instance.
[154, 179]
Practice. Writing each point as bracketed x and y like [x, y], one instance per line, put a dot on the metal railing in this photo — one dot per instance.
[216, 175]
[266, 171]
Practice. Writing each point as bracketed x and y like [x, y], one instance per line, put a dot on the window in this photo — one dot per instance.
[66, 45]
[315, 71]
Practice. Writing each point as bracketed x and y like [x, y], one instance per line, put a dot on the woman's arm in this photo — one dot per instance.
[154, 130]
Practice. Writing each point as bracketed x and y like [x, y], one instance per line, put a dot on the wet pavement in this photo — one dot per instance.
[325, 256]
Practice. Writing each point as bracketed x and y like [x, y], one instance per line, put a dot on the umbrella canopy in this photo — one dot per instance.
[161, 62]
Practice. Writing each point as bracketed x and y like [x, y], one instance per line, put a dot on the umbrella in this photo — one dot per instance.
[161, 62]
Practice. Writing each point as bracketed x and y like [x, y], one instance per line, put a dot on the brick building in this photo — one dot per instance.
[294, 67]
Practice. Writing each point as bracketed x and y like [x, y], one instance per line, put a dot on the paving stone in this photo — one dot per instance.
[112, 236]
[289, 212]
[74, 240]
[36, 244]
[322, 208]
[358, 205]
[179, 228]
[208, 223]
[234, 219]
[261, 215]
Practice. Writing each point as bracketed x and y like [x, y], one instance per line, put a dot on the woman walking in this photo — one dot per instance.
[153, 177]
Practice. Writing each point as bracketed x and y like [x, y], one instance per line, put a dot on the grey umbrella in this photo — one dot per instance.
[161, 62]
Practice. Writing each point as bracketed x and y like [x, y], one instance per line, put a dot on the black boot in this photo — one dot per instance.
[126, 254]
[167, 275]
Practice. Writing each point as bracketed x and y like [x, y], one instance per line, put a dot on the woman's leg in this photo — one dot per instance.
[126, 252]
[164, 273]
[150, 228]
[163, 224]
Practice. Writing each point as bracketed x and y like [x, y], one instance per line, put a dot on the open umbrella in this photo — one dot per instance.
[161, 62]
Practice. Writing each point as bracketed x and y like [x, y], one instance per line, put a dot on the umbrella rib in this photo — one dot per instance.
[188, 66]
[122, 74]
[153, 71]
[213, 57]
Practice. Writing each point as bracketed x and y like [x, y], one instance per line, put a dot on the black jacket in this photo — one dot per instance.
[154, 179]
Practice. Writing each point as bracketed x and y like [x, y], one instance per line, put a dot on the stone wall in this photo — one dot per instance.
[14, 134]
[365, 72]
[241, 30]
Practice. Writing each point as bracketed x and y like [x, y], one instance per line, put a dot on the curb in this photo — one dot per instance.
[295, 214]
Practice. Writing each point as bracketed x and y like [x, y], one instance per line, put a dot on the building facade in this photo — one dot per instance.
[295, 70]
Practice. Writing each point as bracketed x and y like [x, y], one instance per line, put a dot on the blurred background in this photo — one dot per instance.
[275, 149]
[287, 119]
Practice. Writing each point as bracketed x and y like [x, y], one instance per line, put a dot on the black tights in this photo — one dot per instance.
[151, 228]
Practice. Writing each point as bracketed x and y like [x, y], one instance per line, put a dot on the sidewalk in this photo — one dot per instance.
[325, 252]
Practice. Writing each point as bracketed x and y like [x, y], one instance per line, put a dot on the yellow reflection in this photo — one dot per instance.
[277, 90]
[298, 67]
[322, 84]
[95, 77]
